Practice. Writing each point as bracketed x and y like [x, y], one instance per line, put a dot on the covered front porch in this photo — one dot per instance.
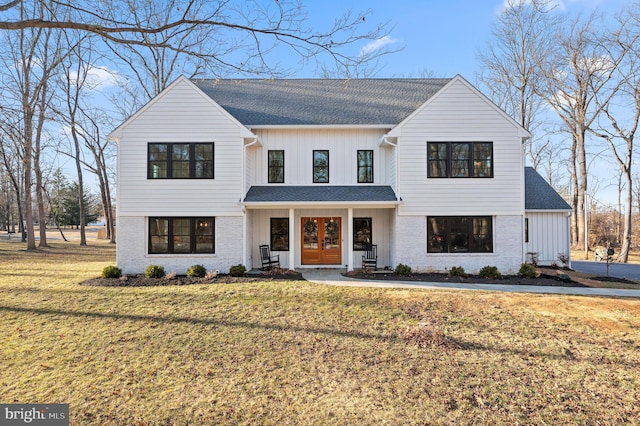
[325, 233]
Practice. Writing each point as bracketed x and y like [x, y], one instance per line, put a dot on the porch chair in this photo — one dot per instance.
[268, 261]
[370, 257]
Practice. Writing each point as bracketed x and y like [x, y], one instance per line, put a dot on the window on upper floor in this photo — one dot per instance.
[279, 234]
[460, 159]
[457, 234]
[361, 232]
[181, 235]
[365, 166]
[180, 161]
[320, 166]
[276, 166]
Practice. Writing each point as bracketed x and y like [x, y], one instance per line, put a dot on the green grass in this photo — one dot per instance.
[300, 353]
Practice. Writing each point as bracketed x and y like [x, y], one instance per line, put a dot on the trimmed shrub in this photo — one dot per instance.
[111, 272]
[457, 271]
[527, 270]
[490, 272]
[154, 271]
[197, 271]
[237, 270]
[403, 270]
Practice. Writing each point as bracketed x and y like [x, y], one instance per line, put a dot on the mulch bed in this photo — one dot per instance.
[544, 279]
[142, 281]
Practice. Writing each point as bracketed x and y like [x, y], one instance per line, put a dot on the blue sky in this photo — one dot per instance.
[442, 36]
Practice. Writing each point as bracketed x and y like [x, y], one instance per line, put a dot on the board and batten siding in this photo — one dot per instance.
[299, 144]
[181, 114]
[548, 236]
[458, 114]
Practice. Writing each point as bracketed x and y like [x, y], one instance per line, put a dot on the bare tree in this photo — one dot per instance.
[579, 68]
[522, 37]
[89, 149]
[30, 59]
[621, 108]
[75, 74]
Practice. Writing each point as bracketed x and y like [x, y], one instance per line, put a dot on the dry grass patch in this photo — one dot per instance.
[299, 353]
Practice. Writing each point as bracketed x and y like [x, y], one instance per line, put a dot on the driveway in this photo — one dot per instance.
[627, 270]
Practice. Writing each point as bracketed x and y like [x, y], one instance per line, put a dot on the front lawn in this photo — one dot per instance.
[299, 353]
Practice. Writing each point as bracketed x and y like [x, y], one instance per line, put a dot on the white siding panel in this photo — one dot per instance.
[299, 144]
[548, 236]
[458, 114]
[182, 114]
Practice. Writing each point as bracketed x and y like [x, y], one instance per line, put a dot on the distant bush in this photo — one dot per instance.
[490, 272]
[527, 270]
[197, 271]
[403, 270]
[111, 272]
[457, 271]
[237, 270]
[154, 271]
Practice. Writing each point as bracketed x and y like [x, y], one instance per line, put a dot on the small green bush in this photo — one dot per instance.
[237, 270]
[490, 272]
[527, 270]
[111, 272]
[197, 271]
[457, 271]
[154, 271]
[403, 270]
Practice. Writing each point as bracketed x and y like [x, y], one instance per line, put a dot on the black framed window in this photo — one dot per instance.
[458, 234]
[181, 235]
[279, 234]
[180, 161]
[459, 159]
[526, 229]
[276, 166]
[320, 166]
[361, 232]
[365, 166]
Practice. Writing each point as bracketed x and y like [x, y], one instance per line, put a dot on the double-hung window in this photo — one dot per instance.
[180, 161]
[365, 166]
[459, 234]
[181, 235]
[459, 159]
[276, 166]
[320, 166]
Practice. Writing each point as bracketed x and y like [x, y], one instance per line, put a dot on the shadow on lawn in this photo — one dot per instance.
[391, 338]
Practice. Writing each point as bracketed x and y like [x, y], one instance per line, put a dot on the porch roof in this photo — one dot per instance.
[321, 194]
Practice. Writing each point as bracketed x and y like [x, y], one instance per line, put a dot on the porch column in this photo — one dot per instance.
[245, 228]
[349, 239]
[292, 242]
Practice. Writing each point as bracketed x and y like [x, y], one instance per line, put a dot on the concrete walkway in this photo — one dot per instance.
[335, 277]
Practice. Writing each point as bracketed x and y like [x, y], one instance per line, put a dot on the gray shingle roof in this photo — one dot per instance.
[255, 102]
[539, 195]
[320, 194]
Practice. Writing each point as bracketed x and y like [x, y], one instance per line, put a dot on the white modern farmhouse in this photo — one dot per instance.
[429, 171]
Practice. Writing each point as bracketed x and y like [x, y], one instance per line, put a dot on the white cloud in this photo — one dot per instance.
[369, 48]
[98, 78]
